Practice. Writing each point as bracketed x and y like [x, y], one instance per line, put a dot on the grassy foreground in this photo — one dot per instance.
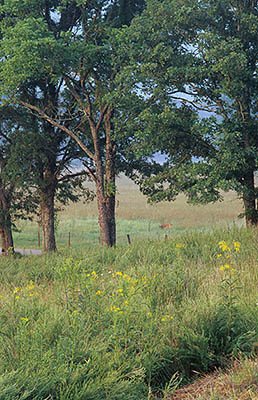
[127, 323]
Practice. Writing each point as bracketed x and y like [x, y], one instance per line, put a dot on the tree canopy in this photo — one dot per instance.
[79, 56]
[201, 56]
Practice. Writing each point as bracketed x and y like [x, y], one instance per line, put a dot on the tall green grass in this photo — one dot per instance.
[126, 323]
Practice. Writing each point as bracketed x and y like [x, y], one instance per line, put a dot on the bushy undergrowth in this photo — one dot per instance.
[126, 323]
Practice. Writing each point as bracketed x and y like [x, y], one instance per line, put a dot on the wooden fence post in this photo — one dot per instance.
[129, 239]
[39, 239]
[69, 239]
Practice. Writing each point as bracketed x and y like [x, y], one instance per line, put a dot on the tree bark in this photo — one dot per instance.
[101, 189]
[5, 223]
[6, 238]
[250, 200]
[110, 179]
[47, 212]
[102, 215]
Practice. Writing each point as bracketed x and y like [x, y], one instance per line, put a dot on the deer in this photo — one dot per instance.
[165, 226]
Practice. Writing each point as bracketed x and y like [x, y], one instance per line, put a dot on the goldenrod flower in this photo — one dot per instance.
[115, 309]
[166, 318]
[223, 246]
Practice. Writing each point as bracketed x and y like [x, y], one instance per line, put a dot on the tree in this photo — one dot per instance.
[121, 12]
[72, 45]
[35, 171]
[17, 200]
[201, 56]
[47, 155]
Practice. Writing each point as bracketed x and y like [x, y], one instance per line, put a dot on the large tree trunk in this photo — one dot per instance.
[101, 191]
[48, 218]
[102, 214]
[5, 220]
[250, 200]
[6, 238]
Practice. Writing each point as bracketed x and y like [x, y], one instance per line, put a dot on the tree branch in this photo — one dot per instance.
[61, 127]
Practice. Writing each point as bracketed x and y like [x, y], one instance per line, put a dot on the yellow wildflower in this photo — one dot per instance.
[99, 292]
[223, 246]
[166, 318]
[24, 319]
[115, 309]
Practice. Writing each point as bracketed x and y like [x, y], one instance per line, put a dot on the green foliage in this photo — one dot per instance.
[199, 56]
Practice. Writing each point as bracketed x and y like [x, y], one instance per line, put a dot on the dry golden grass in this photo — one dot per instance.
[239, 383]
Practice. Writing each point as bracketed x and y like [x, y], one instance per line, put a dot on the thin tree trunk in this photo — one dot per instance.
[110, 179]
[110, 206]
[48, 219]
[250, 201]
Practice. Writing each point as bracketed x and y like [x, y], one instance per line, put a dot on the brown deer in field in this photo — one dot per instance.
[165, 226]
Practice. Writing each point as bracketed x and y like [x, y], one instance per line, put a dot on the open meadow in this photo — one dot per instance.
[136, 322]
[135, 217]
